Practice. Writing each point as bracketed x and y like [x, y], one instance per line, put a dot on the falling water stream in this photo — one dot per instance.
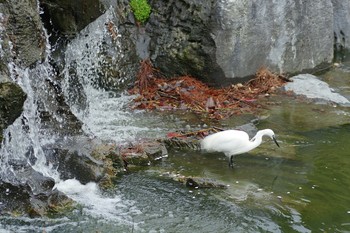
[25, 139]
[301, 187]
[103, 113]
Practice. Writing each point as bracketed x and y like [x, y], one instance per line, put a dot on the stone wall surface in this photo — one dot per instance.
[226, 39]
[286, 36]
[341, 23]
[65, 18]
[25, 32]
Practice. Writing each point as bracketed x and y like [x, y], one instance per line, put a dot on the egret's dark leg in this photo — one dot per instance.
[230, 162]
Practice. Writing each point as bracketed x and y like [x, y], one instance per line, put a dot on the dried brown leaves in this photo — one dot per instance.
[188, 93]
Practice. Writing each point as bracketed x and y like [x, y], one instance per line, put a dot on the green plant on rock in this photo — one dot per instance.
[141, 10]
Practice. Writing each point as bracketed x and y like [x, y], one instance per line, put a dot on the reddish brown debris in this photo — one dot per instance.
[199, 134]
[111, 29]
[188, 93]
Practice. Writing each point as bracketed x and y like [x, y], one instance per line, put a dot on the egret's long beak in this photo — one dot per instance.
[274, 139]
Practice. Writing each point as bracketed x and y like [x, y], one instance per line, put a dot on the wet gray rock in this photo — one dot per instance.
[24, 29]
[341, 24]
[216, 42]
[310, 86]
[182, 143]
[194, 182]
[200, 182]
[34, 197]
[286, 36]
[155, 151]
[5, 48]
[12, 96]
[143, 153]
[23, 43]
[181, 42]
[65, 18]
[110, 41]
[84, 159]
[12, 99]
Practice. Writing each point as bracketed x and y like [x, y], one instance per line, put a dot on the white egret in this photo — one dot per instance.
[234, 142]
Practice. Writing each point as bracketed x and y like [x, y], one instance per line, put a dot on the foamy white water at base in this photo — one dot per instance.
[97, 205]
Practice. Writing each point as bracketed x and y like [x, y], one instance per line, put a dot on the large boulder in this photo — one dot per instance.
[5, 48]
[230, 39]
[181, 39]
[86, 160]
[65, 18]
[286, 36]
[216, 42]
[23, 25]
[12, 97]
[22, 43]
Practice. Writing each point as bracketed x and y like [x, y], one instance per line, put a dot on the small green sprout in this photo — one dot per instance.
[141, 10]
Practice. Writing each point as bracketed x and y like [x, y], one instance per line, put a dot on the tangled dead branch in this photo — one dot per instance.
[188, 93]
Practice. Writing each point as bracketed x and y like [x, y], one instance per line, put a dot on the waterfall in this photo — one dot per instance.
[24, 140]
[103, 113]
[84, 58]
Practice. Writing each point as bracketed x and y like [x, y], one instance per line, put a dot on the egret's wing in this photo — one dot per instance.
[229, 141]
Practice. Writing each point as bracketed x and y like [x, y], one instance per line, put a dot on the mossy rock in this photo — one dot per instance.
[144, 153]
[12, 99]
[182, 143]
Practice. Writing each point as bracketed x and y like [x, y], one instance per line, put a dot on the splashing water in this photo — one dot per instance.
[24, 141]
[103, 113]
[113, 208]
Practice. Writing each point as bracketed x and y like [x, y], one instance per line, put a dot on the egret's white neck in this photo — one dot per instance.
[257, 139]
[253, 143]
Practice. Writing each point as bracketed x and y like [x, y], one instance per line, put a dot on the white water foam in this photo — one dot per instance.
[95, 204]
[25, 139]
[104, 115]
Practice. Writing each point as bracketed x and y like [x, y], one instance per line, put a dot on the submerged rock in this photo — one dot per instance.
[86, 160]
[182, 143]
[143, 154]
[310, 86]
[194, 182]
[200, 182]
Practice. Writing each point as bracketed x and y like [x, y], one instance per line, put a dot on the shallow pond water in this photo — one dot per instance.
[303, 186]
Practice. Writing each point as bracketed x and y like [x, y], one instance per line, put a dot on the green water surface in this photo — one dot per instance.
[303, 186]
